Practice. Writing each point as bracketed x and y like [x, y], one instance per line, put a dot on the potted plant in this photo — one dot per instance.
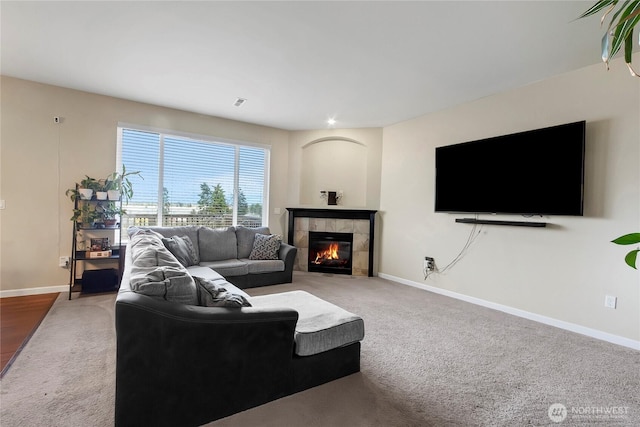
[112, 187]
[109, 213]
[118, 184]
[85, 189]
[629, 239]
[87, 186]
[101, 193]
[85, 216]
[619, 33]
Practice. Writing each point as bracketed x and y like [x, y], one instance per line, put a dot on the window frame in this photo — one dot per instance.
[201, 138]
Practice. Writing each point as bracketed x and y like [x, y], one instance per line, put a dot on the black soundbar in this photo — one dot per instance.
[497, 222]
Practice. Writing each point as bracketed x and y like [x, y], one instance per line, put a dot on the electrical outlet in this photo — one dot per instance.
[429, 264]
[610, 301]
[64, 261]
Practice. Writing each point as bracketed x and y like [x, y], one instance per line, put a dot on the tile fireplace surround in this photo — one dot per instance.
[360, 222]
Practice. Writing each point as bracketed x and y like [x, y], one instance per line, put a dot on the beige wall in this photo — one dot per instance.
[40, 160]
[335, 159]
[563, 271]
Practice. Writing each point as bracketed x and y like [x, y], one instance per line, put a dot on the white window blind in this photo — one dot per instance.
[194, 181]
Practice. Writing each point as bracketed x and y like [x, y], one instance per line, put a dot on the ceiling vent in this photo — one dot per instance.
[239, 102]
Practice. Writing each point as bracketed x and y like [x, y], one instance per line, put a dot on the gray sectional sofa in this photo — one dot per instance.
[227, 251]
[193, 347]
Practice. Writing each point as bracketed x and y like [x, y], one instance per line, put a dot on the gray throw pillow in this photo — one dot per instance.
[182, 248]
[147, 250]
[212, 294]
[265, 247]
[165, 282]
[246, 237]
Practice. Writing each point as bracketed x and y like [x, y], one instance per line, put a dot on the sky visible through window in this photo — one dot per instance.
[188, 164]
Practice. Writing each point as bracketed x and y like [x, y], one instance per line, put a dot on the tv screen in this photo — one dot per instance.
[538, 172]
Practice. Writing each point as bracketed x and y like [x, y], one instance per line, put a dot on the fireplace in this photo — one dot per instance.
[360, 223]
[330, 252]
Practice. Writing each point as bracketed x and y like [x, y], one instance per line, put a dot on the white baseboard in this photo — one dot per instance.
[33, 291]
[593, 333]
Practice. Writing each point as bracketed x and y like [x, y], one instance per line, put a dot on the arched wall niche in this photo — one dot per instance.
[334, 164]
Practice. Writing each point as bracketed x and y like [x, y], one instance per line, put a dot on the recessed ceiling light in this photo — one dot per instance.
[239, 102]
[331, 121]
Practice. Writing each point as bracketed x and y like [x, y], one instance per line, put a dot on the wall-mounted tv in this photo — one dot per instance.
[537, 172]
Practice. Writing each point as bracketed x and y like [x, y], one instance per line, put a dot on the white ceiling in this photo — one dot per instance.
[366, 63]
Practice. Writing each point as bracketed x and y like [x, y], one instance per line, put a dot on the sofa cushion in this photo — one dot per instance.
[264, 266]
[205, 272]
[182, 248]
[147, 250]
[197, 271]
[187, 230]
[214, 293]
[246, 237]
[217, 244]
[135, 231]
[321, 326]
[265, 246]
[152, 256]
[156, 272]
[165, 282]
[228, 267]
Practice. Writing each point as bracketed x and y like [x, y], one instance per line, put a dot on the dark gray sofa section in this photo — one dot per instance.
[227, 252]
[180, 365]
[187, 365]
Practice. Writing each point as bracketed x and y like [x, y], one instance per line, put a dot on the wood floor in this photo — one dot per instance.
[19, 318]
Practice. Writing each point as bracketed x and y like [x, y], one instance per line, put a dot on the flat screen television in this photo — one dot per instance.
[537, 172]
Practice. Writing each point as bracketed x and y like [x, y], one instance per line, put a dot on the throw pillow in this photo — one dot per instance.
[212, 294]
[182, 248]
[246, 237]
[137, 231]
[265, 246]
[165, 282]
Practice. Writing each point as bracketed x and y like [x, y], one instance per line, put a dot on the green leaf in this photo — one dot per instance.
[634, 11]
[627, 239]
[628, 48]
[631, 258]
[598, 7]
[625, 25]
[615, 15]
[619, 32]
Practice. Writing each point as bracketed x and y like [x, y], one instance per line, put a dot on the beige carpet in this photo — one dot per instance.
[65, 375]
[427, 360]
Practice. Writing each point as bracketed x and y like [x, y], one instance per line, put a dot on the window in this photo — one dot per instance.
[189, 180]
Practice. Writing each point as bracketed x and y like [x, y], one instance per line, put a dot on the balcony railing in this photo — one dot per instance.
[213, 221]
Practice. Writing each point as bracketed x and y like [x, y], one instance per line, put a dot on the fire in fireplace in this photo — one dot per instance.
[330, 252]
